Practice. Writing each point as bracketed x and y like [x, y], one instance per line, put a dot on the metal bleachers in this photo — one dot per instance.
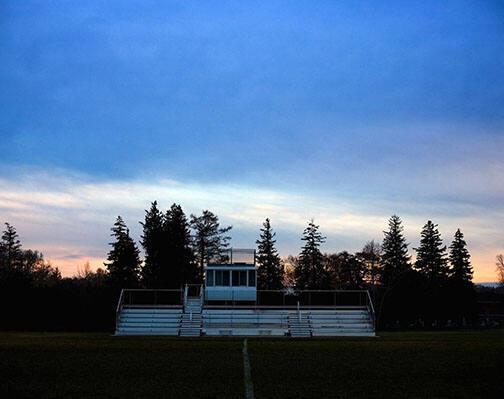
[146, 312]
[149, 321]
[245, 322]
[345, 322]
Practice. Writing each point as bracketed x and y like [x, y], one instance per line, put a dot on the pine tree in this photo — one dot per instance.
[10, 248]
[124, 259]
[461, 297]
[209, 240]
[461, 269]
[431, 254]
[395, 258]
[270, 274]
[310, 272]
[180, 263]
[153, 243]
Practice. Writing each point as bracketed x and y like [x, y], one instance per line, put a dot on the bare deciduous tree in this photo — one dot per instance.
[500, 268]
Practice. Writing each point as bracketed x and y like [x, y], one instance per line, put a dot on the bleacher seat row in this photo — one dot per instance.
[246, 322]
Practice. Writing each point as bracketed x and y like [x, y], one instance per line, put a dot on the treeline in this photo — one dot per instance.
[435, 290]
[34, 296]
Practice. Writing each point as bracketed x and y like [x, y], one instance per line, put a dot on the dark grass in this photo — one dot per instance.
[35, 365]
[403, 365]
[410, 364]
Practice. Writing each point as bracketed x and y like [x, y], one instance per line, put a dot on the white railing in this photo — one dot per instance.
[119, 308]
[371, 310]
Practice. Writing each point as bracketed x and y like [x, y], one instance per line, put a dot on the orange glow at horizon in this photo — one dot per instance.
[484, 266]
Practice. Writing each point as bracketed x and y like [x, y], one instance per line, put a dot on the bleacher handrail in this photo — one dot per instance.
[371, 309]
[119, 308]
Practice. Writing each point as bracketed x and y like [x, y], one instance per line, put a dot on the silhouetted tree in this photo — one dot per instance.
[154, 245]
[370, 256]
[45, 275]
[346, 270]
[209, 240]
[290, 265]
[124, 259]
[270, 274]
[462, 299]
[500, 269]
[461, 269]
[310, 272]
[395, 258]
[431, 263]
[431, 254]
[179, 255]
[10, 248]
[398, 296]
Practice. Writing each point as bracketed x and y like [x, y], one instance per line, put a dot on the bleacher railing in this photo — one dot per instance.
[307, 299]
[138, 298]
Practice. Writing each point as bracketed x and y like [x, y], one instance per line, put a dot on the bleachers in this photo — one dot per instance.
[249, 322]
[345, 322]
[186, 313]
[149, 321]
[245, 322]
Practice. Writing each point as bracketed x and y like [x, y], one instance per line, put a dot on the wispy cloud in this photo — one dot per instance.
[68, 217]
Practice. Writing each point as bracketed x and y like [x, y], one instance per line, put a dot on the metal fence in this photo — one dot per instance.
[309, 299]
[152, 297]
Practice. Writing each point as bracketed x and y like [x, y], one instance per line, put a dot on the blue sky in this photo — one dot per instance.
[342, 111]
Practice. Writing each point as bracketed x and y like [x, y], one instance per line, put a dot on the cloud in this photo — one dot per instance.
[68, 217]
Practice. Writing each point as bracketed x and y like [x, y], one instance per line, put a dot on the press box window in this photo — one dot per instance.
[210, 278]
[218, 277]
[251, 278]
[225, 278]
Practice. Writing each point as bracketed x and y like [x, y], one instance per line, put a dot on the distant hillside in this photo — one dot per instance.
[489, 285]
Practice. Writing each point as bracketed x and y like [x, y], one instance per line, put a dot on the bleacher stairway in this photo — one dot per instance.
[299, 324]
[191, 321]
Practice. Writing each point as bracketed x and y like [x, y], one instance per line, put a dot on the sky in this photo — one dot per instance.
[345, 112]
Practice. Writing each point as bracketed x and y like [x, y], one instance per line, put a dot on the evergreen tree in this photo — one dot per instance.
[209, 240]
[124, 259]
[153, 243]
[310, 272]
[395, 258]
[462, 297]
[270, 274]
[10, 248]
[431, 254]
[461, 269]
[180, 260]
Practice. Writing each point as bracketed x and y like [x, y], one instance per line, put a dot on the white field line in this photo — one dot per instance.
[247, 376]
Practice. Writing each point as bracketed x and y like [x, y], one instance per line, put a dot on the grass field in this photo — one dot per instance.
[412, 364]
